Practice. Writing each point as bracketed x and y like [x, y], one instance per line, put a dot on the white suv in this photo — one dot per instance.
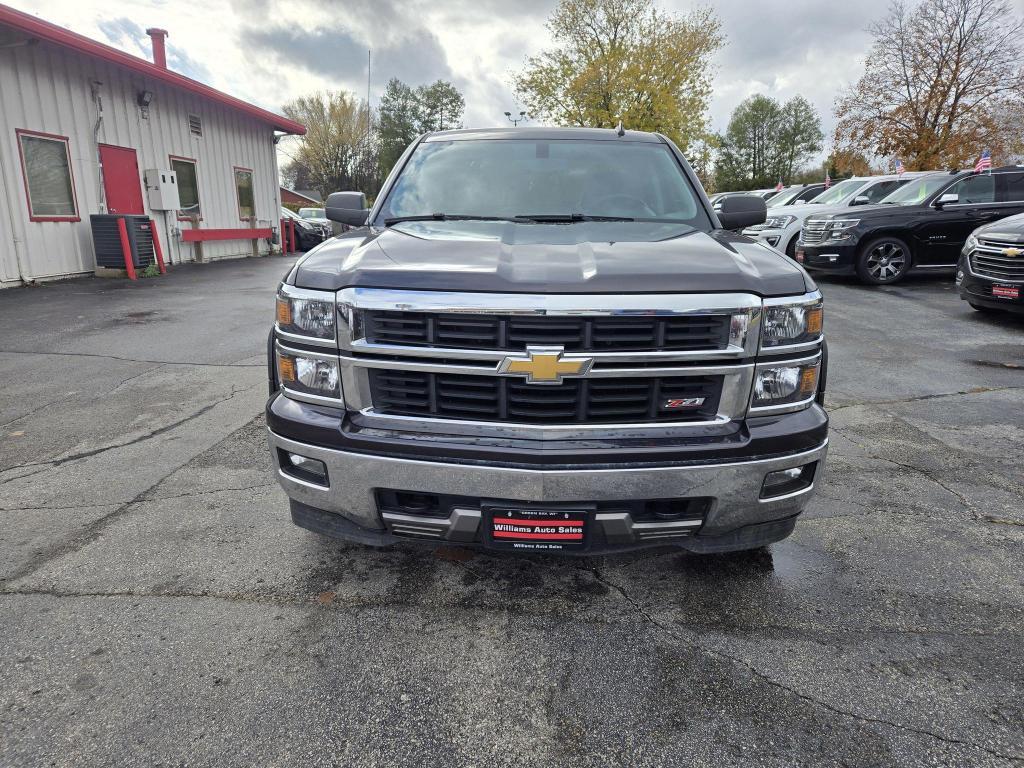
[782, 227]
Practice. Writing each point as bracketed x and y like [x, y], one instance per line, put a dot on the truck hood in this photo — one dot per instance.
[808, 209]
[588, 257]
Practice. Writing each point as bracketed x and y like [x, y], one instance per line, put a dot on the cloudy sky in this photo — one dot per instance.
[267, 52]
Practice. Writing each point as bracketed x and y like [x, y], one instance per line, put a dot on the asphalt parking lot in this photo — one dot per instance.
[160, 609]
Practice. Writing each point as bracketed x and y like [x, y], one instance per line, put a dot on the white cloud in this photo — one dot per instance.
[267, 52]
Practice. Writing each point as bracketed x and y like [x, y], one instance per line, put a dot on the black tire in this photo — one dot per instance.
[985, 310]
[883, 261]
[791, 246]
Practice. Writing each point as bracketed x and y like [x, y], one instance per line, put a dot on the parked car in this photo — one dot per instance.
[782, 228]
[764, 194]
[795, 194]
[990, 274]
[319, 216]
[509, 356]
[923, 226]
[308, 233]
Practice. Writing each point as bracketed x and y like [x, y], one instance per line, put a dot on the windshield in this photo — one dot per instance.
[838, 192]
[917, 191]
[783, 197]
[312, 213]
[538, 179]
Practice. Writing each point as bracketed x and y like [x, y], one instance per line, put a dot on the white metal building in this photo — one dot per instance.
[81, 123]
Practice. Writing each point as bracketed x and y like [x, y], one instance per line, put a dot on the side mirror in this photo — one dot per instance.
[946, 198]
[861, 200]
[741, 211]
[347, 208]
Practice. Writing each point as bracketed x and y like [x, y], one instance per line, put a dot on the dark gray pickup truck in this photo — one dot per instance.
[546, 340]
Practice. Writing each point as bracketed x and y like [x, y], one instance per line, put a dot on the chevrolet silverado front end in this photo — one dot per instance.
[587, 364]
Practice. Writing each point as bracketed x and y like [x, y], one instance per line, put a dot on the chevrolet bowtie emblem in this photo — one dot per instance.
[1011, 252]
[545, 365]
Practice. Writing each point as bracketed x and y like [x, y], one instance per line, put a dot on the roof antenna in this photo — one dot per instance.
[619, 130]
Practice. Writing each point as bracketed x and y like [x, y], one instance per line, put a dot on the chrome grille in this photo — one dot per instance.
[490, 398]
[990, 260]
[432, 361]
[574, 334]
[813, 231]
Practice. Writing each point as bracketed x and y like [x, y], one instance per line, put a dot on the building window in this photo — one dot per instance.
[49, 181]
[188, 187]
[246, 199]
[195, 125]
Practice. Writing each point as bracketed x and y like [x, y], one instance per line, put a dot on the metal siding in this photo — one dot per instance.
[43, 88]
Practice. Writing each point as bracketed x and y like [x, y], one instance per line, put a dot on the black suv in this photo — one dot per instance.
[922, 225]
[991, 270]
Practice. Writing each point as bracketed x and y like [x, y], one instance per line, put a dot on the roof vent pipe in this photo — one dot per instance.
[159, 51]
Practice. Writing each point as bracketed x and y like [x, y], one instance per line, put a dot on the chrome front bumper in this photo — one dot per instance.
[734, 488]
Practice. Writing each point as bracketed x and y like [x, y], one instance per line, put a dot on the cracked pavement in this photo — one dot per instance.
[159, 608]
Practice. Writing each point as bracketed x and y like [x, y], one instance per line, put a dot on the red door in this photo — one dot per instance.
[121, 181]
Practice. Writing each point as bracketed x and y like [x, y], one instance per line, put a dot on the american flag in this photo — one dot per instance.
[779, 187]
[899, 167]
[984, 162]
[828, 180]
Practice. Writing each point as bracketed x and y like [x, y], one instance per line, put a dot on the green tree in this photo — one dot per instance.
[440, 106]
[800, 136]
[624, 60]
[766, 141]
[398, 122]
[747, 158]
[405, 113]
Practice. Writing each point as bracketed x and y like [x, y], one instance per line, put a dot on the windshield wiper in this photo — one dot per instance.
[568, 218]
[442, 217]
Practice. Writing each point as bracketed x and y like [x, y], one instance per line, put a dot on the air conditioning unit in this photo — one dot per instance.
[106, 240]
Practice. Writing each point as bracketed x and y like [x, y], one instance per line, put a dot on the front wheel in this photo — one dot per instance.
[883, 261]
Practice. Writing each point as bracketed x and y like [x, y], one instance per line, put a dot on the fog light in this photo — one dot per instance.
[773, 241]
[304, 468]
[959, 276]
[787, 481]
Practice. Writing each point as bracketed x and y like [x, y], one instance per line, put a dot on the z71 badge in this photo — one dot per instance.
[679, 403]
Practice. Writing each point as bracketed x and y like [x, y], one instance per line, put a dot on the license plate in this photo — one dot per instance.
[532, 529]
[1006, 291]
[800, 255]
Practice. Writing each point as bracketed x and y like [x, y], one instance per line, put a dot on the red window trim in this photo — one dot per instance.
[194, 162]
[238, 200]
[19, 132]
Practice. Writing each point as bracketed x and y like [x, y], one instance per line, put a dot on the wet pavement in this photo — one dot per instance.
[159, 608]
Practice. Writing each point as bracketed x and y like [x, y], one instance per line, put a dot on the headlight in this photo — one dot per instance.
[839, 224]
[308, 373]
[785, 322]
[785, 385]
[305, 313]
[778, 222]
[971, 244]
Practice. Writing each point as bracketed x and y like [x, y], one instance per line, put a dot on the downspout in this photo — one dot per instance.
[97, 100]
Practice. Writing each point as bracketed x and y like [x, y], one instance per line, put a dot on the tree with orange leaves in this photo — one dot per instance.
[939, 86]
